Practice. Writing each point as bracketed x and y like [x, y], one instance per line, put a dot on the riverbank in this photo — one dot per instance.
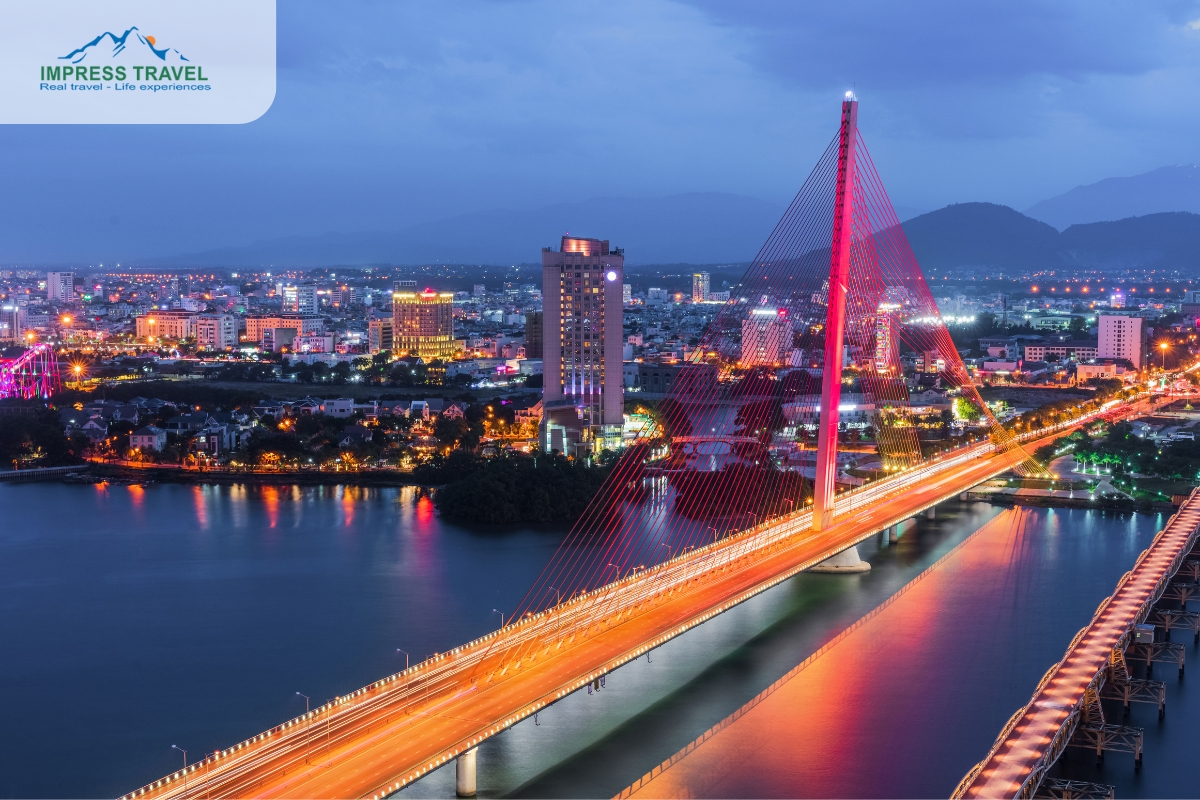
[157, 473]
[1037, 498]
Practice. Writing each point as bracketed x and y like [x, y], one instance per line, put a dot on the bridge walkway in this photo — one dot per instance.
[1067, 698]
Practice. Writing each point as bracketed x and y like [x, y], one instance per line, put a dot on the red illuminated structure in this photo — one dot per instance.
[32, 375]
[835, 318]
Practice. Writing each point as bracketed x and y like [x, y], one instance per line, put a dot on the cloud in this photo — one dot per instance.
[391, 114]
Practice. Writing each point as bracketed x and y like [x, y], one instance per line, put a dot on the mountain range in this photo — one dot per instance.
[985, 235]
[1174, 188]
[1148, 220]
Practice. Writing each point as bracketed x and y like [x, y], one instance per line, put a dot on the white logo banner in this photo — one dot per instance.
[136, 61]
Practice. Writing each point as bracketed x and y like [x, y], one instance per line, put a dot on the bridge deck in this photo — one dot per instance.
[1031, 742]
[383, 736]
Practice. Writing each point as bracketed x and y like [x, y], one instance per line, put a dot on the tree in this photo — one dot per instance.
[37, 440]
[966, 410]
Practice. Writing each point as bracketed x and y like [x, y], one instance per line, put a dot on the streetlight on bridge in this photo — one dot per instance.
[180, 749]
[398, 650]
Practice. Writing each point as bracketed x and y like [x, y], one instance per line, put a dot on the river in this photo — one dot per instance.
[136, 618]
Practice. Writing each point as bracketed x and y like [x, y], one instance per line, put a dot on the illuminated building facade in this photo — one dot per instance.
[766, 337]
[216, 331]
[700, 281]
[423, 324]
[582, 317]
[60, 287]
[885, 337]
[1122, 337]
[379, 335]
[159, 325]
[257, 325]
[300, 299]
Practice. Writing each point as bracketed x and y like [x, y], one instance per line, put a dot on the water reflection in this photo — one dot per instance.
[98, 587]
[906, 701]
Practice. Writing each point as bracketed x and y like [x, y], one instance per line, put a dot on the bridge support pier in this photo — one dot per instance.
[464, 774]
[894, 533]
[931, 512]
[846, 561]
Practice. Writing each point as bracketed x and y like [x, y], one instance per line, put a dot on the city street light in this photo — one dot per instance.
[501, 613]
[180, 749]
[1164, 347]
[398, 650]
[306, 699]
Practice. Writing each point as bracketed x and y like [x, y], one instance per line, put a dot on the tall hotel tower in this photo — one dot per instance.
[582, 398]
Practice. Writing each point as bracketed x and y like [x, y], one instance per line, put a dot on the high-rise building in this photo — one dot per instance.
[379, 335]
[343, 296]
[766, 337]
[582, 399]
[626, 294]
[480, 290]
[885, 337]
[60, 287]
[216, 331]
[699, 287]
[423, 324]
[306, 299]
[10, 322]
[1122, 337]
[533, 335]
[300, 299]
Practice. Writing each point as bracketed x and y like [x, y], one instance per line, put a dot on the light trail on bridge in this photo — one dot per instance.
[386, 735]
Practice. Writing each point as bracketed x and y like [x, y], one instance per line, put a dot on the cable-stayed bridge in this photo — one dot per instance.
[683, 529]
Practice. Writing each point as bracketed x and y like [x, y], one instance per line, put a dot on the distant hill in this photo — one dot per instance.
[697, 228]
[1166, 189]
[980, 235]
[991, 236]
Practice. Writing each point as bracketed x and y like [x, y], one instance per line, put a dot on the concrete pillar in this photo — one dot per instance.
[846, 561]
[894, 533]
[464, 779]
[931, 512]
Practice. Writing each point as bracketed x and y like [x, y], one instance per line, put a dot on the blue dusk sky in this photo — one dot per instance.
[390, 114]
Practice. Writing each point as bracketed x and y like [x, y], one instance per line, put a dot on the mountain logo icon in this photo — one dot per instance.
[132, 46]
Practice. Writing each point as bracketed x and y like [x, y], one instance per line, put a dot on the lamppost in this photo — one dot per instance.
[501, 613]
[308, 738]
[1164, 347]
[398, 650]
[180, 749]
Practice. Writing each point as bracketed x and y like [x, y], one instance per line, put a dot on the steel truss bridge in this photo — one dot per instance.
[32, 375]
